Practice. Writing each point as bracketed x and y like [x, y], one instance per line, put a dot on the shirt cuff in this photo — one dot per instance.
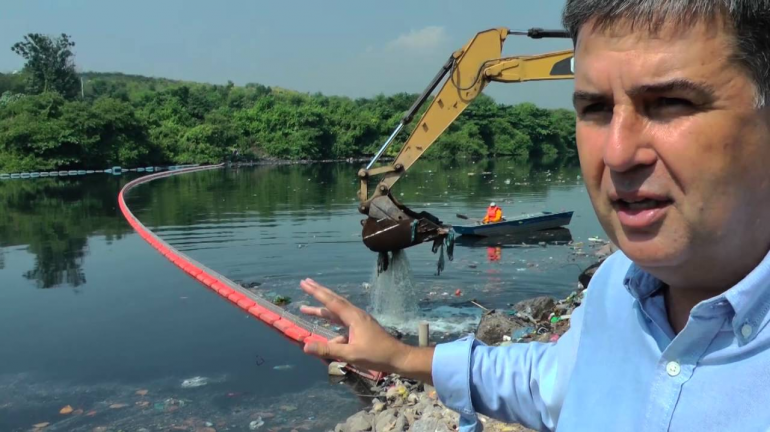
[451, 378]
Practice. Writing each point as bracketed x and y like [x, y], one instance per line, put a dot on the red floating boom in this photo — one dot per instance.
[292, 326]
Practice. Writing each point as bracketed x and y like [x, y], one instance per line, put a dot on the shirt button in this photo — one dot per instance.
[673, 368]
[746, 330]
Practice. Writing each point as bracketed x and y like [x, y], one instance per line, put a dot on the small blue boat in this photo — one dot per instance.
[518, 224]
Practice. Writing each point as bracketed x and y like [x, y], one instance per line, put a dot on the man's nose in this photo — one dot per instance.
[628, 142]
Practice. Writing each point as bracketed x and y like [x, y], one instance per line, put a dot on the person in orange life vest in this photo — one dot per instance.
[494, 214]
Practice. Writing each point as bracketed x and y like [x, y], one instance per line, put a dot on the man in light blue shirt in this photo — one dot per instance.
[673, 133]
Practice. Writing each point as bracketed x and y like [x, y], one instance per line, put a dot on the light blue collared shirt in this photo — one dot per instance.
[620, 367]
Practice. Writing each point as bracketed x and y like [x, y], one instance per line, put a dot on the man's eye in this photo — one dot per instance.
[596, 108]
[672, 102]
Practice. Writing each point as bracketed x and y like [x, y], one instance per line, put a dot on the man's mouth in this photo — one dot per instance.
[643, 204]
[640, 212]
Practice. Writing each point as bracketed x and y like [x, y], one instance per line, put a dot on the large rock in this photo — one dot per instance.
[429, 425]
[585, 277]
[495, 324]
[402, 424]
[360, 422]
[537, 309]
[385, 421]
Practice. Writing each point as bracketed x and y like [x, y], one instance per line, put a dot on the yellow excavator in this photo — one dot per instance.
[391, 226]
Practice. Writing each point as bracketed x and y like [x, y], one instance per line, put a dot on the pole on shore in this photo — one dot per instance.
[423, 333]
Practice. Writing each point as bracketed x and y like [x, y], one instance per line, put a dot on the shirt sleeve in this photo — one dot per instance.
[521, 383]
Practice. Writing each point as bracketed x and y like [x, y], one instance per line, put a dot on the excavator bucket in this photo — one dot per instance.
[391, 226]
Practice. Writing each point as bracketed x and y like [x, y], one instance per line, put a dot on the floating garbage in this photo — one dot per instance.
[337, 369]
[193, 382]
[283, 367]
[66, 410]
[256, 424]
[280, 300]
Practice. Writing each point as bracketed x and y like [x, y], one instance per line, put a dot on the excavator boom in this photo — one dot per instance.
[390, 225]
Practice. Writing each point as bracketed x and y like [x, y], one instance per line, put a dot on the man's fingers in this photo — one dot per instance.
[320, 292]
[332, 351]
[321, 312]
[336, 304]
[339, 340]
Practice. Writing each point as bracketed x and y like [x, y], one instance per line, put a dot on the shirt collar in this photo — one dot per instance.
[640, 283]
[749, 298]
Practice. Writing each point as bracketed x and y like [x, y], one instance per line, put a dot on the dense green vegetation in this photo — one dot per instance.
[50, 119]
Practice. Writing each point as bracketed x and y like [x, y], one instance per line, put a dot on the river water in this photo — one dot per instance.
[94, 319]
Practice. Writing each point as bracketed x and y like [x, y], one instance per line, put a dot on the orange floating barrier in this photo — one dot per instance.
[246, 303]
[297, 333]
[258, 307]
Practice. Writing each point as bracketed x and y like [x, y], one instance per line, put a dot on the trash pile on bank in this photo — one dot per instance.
[405, 405]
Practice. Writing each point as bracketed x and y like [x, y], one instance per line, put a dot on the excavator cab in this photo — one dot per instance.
[390, 226]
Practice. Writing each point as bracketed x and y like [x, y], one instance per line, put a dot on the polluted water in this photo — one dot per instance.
[395, 303]
[394, 300]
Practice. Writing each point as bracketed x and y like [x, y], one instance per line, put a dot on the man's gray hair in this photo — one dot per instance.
[749, 21]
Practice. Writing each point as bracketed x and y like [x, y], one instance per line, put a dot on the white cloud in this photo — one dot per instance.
[422, 40]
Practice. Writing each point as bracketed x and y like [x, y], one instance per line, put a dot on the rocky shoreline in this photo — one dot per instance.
[405, 405]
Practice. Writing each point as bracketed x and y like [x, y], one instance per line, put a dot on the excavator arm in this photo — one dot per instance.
[390, 225]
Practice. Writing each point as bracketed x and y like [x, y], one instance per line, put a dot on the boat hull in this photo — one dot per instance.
[520, 224]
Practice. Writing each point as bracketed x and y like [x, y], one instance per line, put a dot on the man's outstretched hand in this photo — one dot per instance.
[368, 345]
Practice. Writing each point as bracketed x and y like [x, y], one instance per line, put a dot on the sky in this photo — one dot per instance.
[351, 48]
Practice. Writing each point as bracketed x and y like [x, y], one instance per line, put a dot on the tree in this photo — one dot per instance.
[50, 65]
[33, 135]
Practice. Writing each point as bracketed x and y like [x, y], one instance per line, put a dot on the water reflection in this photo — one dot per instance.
[54, 217]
